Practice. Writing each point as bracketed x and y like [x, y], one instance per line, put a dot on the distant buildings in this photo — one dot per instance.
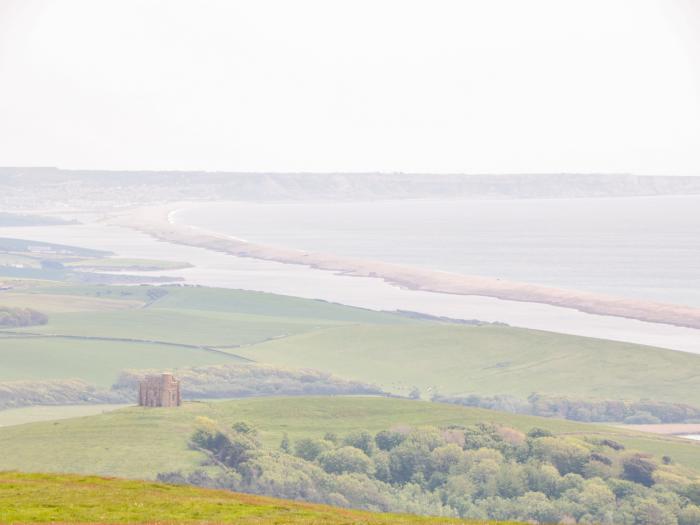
[159, 391]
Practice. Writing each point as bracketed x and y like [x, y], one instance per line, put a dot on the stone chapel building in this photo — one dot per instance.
[159, 391]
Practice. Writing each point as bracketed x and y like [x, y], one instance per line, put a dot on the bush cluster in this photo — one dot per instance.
[16, 317]
[481, 471]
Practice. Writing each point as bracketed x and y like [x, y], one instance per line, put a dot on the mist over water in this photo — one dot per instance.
[641, 247]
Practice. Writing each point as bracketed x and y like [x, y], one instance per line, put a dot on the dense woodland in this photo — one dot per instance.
[481, 471]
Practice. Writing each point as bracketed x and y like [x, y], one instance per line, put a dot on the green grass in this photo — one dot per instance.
[21, 416]
[490, 360]
[186, 315]
[386, 349]
[98, 362]
[51, 498]
[228, 301]
[193, 327]
[139, 442]
[50, 303]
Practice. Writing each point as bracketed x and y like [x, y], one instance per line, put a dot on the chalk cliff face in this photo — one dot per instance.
[24, 187]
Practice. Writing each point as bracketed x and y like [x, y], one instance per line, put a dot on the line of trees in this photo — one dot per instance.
[17, 317]
[589, 410]
[224, 381]
[206, 382]
[15, 394]
[481, 471]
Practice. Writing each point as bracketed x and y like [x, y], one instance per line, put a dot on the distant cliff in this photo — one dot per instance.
[28, 187]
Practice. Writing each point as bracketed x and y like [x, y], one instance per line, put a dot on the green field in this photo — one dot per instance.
[454, 359]
[32, 414]
[95, 332]
[222, 300]
[194, 327]
[51, 303]
[51, 498]
[98, 362]
[106, 328]
[138, 443]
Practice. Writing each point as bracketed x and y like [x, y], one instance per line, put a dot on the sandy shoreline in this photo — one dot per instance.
[155, 221]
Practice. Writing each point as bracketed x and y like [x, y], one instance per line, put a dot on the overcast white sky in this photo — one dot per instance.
[323, 85]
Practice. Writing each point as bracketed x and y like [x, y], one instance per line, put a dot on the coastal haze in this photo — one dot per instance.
[627, 237]
[375, 262]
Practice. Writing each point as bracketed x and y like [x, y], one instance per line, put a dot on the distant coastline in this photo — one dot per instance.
[156, 221]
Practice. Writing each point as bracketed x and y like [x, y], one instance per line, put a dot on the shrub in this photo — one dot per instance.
[17, 317]
[388, 439]
[344, 460]
[309, 449]
[567, 456]
[362, 440]
[639, 468]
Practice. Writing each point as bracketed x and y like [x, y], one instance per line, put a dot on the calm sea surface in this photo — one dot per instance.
[635, 247]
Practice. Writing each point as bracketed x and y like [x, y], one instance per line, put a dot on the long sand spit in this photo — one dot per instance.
[155, 221]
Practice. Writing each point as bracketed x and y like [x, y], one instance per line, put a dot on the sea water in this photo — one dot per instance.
[641, 247]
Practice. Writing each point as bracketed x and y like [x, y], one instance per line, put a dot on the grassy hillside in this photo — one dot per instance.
[104, 329]
[231, 301]
[97, 362]
[138, 443]
[489, 360]
[94, 332]
[32, 414]
[45, 498]
[178, 326]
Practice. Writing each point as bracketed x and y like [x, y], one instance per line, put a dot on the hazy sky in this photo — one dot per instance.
[422, 86]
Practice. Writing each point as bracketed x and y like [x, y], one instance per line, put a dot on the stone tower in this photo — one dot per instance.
[159, 391]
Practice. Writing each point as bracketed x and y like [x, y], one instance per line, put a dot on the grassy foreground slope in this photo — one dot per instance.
[139, 443]
[455, 359]
[46, 498]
